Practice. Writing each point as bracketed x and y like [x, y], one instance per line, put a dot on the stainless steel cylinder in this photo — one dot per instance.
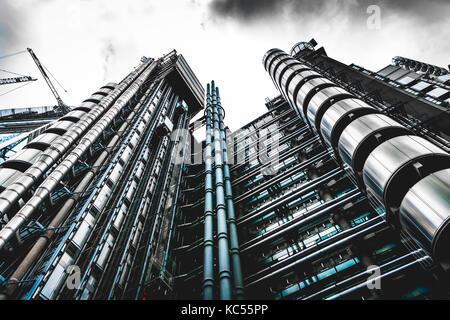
[425, 213]
[396, 165]
[385, 157]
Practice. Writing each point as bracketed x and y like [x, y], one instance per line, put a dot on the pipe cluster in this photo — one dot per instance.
[216, 160]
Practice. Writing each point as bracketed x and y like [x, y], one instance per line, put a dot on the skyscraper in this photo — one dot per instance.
[340, 190]
[90, 195]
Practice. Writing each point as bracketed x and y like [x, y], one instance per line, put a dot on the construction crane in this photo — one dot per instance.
[61, 105]
[16, 80]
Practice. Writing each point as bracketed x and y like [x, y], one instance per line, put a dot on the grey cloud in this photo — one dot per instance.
[249, 10]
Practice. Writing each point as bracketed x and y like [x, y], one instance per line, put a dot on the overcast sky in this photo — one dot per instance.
[86, 43]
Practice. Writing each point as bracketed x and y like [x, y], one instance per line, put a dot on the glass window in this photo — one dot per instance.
[437, 92]
[422, 85]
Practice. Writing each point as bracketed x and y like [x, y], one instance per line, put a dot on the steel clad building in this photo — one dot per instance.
[341, 190]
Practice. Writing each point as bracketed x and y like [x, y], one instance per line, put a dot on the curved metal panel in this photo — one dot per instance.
[276, 63]
[425, 213]
[330, 125]
[267, 55]
[271, 60]
[76, 114]
[396, 164]
[287, 65]
[306, 88]
[43, 140]
[358, 138]
[313, 105]
[290, 73]
[8, 176]
[109, 85]
[22, 159]
[62, 125]
[298, 80]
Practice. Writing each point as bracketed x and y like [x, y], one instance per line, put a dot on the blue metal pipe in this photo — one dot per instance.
[208, 244]
[234, 242]
[222, 232]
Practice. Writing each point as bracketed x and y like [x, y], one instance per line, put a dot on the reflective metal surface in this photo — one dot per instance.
[330, 123]
[316, 106]
[278, 65]
[74, 115]
[271, 61]
[390, 158]
[44, 139]
[425, 213]
[306, 88]
[284, 68]
[267, 57]
[290, 74]
[354, 145]
[297, 81]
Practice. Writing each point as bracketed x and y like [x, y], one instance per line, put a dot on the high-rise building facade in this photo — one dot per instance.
[91, 195]
[340, 190]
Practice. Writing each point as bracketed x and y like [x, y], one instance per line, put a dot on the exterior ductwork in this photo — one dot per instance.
[62, 214]
[43, 192]
[221, 214]
[208, 236]
[394, 165]
[231, 217]
[41, 164]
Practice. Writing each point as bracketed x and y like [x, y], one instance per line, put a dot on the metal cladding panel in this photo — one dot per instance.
[425, 213]
[357, 131]
[62, 125]
[266, 56]
[110, 85]
[83, 231]
[316, 103]
[103, 91]
[76, 114]
[45, 139]
[288, 75]
[271, 57]
[298, 80]
[389, 157]
[335, 113]
[284, 67]
[276, 64]
[56, 280]
[307, 88]
[27, 156]
[8, 176]
[96, 98]
[88, 104]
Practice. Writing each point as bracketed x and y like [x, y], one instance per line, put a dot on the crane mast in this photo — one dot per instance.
[62, 106]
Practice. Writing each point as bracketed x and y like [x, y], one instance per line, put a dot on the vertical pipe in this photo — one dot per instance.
[234, 242]
[222, 233]
[208, 272]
